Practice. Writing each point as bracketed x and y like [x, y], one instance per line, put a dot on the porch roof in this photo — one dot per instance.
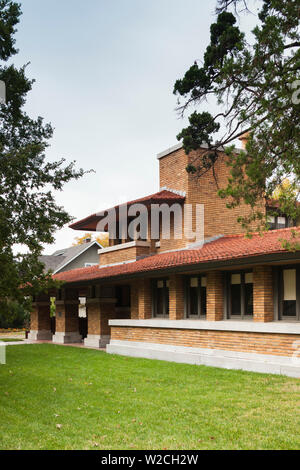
[90, 223]
[226, 248]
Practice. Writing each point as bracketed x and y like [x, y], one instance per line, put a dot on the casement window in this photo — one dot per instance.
[239, 295]
[279, 221]
[160, 298]
[195, 299]
[289, 293]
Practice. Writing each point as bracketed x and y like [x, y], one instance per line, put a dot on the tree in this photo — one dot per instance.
[29, 215]
[103, 239]
[258, 93]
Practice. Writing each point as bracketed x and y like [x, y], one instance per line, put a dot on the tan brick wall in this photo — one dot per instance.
[99, 313]
[176, 297]
[126, 254]
[141, 299]
[263, 302]
[40, 317]
[218, 218]
[261, 343]
[67, 316]
[145, 299]
[214, 296]
[34, 319]
[134, 300]
[172, 173]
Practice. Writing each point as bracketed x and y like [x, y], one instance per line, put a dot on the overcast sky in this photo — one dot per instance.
[104, 74]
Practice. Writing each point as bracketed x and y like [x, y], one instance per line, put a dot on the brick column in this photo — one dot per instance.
[263, 301]
[141, 299]
[99, 312]
[176, 297]
[214, 296]
[144, 299]
[134, 304]
[67, 321]
[40, 322]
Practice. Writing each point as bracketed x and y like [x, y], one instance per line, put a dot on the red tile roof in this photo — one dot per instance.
[225, 248]
[164, 196]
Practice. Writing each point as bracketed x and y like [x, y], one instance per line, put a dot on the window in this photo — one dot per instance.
[289, 295]
[196, 297]
[279, 221]
[160, 297]
[240, 295]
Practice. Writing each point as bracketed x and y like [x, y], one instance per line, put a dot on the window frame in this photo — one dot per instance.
[275, 226]
[166, 306]
[280, 284]
[187, 299]
[228, 297]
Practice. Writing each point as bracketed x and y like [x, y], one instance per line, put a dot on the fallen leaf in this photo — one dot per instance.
[59, 426]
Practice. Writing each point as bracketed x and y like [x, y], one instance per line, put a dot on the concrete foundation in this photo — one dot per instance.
[263, 363]
[40, 335]
[62, 337]
[96, 341]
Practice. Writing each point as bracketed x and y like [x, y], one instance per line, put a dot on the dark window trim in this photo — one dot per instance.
[278, 298]
[289, 222]
[227, 302]
[165, 313]
[187, 297]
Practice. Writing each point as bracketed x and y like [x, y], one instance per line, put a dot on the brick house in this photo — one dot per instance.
[229, 302]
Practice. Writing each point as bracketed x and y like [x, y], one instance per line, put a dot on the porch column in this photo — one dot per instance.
[263, 300]
[67, 321]
[40, 322]
[134, 304]
[214, 296]
[144, 299]
[176, 297]
[99, 312]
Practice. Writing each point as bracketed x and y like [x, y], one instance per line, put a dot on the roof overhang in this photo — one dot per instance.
[162, 197]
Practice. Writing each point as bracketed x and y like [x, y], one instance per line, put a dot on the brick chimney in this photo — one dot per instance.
[244, 139]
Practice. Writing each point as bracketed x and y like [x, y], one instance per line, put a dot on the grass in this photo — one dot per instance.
[56, 397]
[10, 340]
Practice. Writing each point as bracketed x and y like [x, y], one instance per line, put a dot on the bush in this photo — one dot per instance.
[15, 317]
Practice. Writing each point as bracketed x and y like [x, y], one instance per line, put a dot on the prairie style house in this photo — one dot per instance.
[230, 301]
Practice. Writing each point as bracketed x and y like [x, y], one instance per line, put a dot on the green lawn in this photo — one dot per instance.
[56, 397]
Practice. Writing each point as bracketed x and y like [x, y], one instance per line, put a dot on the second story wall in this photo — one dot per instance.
[218, 219]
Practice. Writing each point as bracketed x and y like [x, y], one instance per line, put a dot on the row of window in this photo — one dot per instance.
[238, 292]
[280, 221]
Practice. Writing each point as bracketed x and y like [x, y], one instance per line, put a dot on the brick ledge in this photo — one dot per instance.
[243, 326]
